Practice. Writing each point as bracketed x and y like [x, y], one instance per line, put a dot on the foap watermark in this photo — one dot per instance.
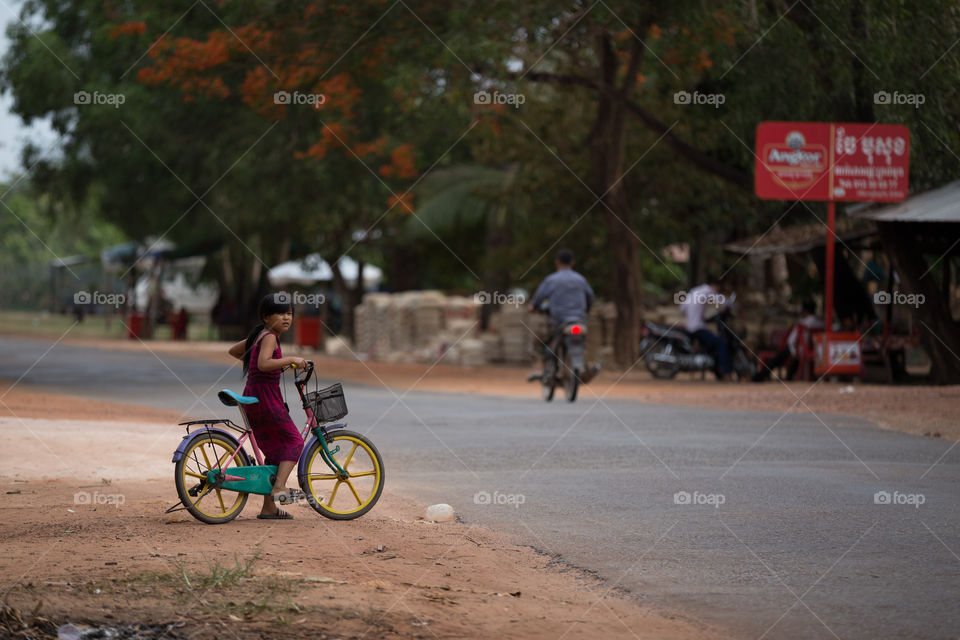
[86, 97]
[897, 98]
[896, 297]
[500, 298]
[701, 297]
[712, 99]
[97, 297]
[696, 498]
[315, 100]
[895, 497]
[85, 497]
[485, 97]
[497, 498]
[299, 298]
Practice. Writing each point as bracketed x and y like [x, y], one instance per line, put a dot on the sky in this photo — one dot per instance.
[13, 133]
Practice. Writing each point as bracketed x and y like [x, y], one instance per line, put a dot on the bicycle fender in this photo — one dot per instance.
[190, 437]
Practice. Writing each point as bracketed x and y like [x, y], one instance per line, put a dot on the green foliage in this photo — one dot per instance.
[503, 188]
[36, 230]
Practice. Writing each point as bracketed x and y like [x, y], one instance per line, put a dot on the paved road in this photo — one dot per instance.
[782, 537]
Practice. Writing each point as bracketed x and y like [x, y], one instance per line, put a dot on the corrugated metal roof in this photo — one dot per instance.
[937, 205]
[800, 238]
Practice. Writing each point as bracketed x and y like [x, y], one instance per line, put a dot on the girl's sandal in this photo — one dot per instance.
[290, 497]
[279, 515]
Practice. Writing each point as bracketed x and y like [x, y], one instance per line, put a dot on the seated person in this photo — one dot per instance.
[809, 322]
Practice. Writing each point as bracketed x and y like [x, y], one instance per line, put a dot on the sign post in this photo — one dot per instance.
[828, 284]
[822, 161]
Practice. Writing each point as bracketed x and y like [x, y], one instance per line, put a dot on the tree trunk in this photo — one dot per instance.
[495, 274]
[940, 334]
[239, 296]
[346, 307]
[863, 92]
[607, 148]
[356, 299]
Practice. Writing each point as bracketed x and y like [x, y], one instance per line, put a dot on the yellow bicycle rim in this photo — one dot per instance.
[358, 489]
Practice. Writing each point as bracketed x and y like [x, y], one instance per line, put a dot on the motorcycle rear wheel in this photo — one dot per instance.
[660, 370]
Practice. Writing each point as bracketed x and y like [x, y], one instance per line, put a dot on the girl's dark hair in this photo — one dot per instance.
[270, 304]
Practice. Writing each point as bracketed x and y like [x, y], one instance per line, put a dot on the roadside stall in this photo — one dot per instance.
[825, 161]
[922, 237]
[801, 250]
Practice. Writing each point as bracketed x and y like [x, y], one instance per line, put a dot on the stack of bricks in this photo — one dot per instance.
[371, 325]
[416, 325]
[426, 317]
[516, 338]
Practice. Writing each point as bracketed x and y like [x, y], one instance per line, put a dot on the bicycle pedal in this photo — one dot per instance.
[285, 499]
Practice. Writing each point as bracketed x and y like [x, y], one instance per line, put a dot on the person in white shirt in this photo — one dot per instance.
[698, 301]
[809, 322]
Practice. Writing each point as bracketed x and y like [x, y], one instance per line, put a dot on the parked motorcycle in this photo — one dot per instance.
[666, 351]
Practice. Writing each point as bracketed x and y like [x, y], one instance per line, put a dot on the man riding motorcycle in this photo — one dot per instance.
[694, 307]
[570, 298]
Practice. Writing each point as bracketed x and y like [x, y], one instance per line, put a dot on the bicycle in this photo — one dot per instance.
[564, 362]
[331, 458]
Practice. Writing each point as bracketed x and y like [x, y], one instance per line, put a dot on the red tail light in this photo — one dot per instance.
[575, 330]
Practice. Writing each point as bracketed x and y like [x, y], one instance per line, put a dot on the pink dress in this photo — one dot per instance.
[276, 434]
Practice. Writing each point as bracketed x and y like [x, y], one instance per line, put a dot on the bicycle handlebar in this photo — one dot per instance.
[307, 373]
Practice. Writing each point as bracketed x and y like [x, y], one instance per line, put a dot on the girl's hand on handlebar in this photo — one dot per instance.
[298, 363]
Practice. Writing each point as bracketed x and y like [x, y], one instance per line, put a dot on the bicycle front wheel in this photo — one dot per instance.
[343, 497]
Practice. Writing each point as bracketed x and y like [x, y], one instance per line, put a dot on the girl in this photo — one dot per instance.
[276, 434]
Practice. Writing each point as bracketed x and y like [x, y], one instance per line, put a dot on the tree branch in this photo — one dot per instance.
[558, 78]
[701, 160]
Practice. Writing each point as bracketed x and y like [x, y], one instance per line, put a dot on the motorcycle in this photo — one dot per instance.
[666, 351]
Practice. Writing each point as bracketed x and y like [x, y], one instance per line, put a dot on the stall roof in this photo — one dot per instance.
[313, 269]
[800, 238]
[937, 205]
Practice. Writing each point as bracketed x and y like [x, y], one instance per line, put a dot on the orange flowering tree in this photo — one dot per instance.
[279, 130]
[344, 102]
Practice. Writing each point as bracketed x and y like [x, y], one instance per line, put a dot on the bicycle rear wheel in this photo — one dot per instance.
[213, 506]
[571, 379]
[343, 497]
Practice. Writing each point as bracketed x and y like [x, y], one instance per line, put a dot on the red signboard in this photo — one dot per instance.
[838, 353]
[832, 161]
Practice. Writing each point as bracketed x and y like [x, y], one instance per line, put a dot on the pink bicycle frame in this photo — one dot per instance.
[224, 462]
